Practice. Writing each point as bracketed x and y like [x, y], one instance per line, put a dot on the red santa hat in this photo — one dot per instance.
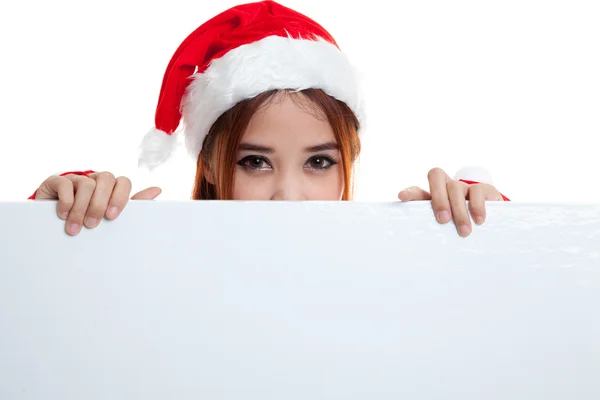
[240, 53]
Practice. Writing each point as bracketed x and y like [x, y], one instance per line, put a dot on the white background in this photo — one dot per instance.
[511, 85]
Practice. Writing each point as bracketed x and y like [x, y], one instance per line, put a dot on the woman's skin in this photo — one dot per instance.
[287, 153]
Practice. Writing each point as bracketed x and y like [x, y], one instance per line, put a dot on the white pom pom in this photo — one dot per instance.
[474, 173]
[156, 148]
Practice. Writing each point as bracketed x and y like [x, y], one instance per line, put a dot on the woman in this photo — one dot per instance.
[272, 111]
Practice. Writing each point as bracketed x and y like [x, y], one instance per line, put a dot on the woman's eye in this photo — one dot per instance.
[320, 162]
[254, 163]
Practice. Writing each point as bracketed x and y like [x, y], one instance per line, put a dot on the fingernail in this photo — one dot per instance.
[112, 212]
[73, 229]
[91, 222]
[464, 230]
[444, 217]
[479, 220]
[63, 214]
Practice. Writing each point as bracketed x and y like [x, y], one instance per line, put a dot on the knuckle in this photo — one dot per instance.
[58, 188]
[87, 183]
[64, 183]
[434, 172]
[72, 177]
[105, 175]
[53, 179]
[55, 182]
[125, 180]
[492, 189]
[491, 192]
[475, 189]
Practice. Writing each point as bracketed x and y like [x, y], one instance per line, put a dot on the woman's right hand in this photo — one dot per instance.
[85, 200]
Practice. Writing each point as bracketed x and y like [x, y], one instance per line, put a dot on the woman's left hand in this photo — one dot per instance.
[449, 199]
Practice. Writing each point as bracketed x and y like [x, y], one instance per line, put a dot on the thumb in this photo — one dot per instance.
[147, 194]
[55, 188]
[414, 193]
[46, 192]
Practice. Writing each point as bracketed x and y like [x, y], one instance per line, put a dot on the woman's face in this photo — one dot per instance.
[288, 152]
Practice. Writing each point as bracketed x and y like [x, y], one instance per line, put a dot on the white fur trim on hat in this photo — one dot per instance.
[156, 148]
[271, 63]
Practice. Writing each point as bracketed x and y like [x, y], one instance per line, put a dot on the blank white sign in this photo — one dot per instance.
[282, 300]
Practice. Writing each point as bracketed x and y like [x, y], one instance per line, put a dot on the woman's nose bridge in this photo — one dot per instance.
[289, 185]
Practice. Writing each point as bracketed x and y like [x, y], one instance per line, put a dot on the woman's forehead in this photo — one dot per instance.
[288, 120]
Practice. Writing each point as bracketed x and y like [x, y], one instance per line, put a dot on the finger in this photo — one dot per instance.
[147, 194]
[105, 181]
[48, 190]
[414, 193]
[57, 187]
[84, 189]
[457, 193]
[491, 193]
[439, 195]
[476, 195]
[119, 197]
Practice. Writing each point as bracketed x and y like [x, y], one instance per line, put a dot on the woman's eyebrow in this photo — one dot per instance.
[322, 147]
[254, 147]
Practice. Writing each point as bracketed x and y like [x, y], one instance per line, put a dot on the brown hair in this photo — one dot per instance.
[220, 146]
